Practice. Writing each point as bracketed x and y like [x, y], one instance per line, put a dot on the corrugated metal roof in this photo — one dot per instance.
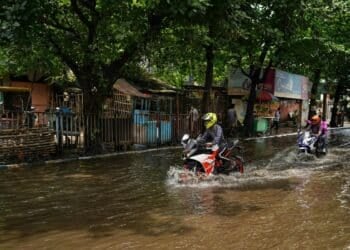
[162, 91]
[13, 89]
[126, 88]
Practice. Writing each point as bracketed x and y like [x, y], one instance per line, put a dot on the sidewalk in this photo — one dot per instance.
[346, 124]
[288, 131]
[282, 131]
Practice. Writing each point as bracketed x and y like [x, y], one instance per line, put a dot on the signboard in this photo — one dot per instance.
[290, 85]
[269, 82]
[238, 83]
[306, 89]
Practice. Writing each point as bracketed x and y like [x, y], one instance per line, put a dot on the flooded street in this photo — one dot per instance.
[134, 201]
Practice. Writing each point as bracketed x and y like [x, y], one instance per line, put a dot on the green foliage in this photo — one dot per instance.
[180, 52]
[96, 39]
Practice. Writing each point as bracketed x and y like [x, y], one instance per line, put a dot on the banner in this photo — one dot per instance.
[291, 85]
[238, 83]
[269, 82]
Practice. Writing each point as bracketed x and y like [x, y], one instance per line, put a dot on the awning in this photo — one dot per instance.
[265, 96]
[126, 88]
[162, 91]
[13, 89]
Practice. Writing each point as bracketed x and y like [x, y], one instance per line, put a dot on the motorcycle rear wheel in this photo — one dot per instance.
[235, 165]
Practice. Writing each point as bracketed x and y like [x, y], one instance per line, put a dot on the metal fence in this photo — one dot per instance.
[142, 129]
[18, 120]
[106, 133]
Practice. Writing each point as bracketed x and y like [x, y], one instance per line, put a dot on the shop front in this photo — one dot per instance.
[293, 92]
[280, 89]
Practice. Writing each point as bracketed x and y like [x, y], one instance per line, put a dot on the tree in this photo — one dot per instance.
[95, 39]
[195, 45]
[271, 27]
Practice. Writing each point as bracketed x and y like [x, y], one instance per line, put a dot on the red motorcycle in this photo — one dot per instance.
[210, 159]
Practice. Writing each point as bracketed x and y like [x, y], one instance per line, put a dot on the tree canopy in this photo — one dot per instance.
[101, 40]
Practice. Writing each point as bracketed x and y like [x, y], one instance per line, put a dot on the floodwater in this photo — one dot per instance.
[134, 201]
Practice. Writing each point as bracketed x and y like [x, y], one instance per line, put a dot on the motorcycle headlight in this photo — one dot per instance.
[186, 153]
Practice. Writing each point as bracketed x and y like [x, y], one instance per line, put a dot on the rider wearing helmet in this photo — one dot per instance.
[319, 128]
[213, 133]
[315, 124]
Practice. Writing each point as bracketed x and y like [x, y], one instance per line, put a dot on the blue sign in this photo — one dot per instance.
[290, 85]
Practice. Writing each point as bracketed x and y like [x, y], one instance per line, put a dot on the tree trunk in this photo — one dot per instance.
[338, 90]
[255, 77]
[249, 117]
[93, 99]
[324, 105]
[94, 91]
[317, 76]
[209, 55]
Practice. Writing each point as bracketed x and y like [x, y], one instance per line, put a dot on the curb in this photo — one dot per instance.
[286, 134]
[82, 158]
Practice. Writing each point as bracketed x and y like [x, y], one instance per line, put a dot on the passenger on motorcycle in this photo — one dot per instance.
[318, 128]
[213, 133]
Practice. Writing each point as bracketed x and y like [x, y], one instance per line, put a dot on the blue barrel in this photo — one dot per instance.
[165, 131]
[141, 116]
[152, 132]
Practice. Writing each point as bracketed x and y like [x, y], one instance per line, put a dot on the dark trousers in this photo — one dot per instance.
[322, 141]
[275, 124]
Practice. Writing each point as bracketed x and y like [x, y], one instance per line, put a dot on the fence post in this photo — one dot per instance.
[59, 125]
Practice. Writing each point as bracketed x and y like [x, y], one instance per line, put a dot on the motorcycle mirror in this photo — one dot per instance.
[185, 137]
[184, 140]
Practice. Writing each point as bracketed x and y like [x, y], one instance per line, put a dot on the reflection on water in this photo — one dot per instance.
[136, 202]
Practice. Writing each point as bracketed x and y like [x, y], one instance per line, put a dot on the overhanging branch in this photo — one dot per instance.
[80, 14]
[155, 22]
[65, 57]
[55, 24]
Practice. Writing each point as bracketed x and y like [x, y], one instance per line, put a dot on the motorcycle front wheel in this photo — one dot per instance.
[193, 166]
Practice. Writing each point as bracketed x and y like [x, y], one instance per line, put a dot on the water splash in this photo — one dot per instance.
[179, 177]
[289, 158]
[286, 164]
[252, 177]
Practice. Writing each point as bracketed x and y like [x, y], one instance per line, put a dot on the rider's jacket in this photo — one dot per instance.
[324, 127]
[213, 134]
[315, 128]
[321, 127]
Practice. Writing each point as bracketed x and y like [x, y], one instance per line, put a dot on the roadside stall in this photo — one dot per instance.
[265, 107]
[293, 93]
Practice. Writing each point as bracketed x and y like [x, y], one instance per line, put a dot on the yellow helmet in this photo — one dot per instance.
[209, 119]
